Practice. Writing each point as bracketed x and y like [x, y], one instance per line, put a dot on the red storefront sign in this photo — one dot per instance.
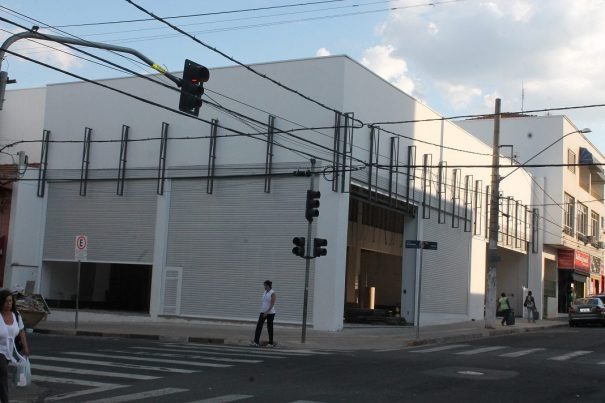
[570, 259]
[582, 262]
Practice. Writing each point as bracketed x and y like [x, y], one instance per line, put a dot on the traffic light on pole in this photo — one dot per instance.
[192, 87]
[299, 246]
[318, 247]
[312, 204]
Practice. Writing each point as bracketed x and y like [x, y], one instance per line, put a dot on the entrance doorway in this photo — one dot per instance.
[103, 286]
[373, 283]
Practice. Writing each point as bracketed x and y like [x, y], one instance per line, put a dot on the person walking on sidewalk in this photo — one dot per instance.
[11, 326]
[530, 304]
[267, 312]
[504, 306]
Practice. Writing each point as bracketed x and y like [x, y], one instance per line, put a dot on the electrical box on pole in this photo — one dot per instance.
[192, 87]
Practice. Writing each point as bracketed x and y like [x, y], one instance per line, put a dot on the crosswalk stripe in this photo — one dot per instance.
[112, 364]
[82, 371]
[258, 355]
[140, 395]
[480, 350]
[192, 357]
[122, 357]
[96, 387]
[522, 352]
[568, 356]
[250, 349]
[439, 348]
[223, 399]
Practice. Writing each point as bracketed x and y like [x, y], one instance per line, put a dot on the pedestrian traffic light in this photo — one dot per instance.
[192, 87]
[318, 247]
[312, 204]
[299, 246]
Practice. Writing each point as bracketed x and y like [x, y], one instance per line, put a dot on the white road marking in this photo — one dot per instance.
[480, 350]
[96, 387]
[112, 364]
[249, 349]
[159, 360]
[522, 352]
[223, 399]
[139, 396]
[260, 355]
[568, 356]
[82, 371]
[192, 357]
[439, 348]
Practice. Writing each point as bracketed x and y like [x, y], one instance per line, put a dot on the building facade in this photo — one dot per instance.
[186, 217]
[569, 198]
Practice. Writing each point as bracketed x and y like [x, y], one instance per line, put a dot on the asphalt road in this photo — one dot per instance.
[560, 365]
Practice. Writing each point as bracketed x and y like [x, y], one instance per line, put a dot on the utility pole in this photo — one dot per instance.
[492, 257]
[303, 336]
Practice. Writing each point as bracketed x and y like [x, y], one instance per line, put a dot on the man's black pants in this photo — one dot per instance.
[259, 327]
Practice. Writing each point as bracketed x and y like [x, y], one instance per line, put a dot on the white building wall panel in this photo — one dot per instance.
[445, 271]
[119, 228]
[234, 239]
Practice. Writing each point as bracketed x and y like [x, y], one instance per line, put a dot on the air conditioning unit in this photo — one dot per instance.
[601, 245]
[589, 239]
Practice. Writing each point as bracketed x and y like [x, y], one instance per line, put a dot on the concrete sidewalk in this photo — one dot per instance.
[352, 337]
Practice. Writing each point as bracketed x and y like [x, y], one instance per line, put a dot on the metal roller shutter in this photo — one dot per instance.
[230, 241]
[120, 229]
[445, 272]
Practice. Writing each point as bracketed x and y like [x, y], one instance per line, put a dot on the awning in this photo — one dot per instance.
[587, 158]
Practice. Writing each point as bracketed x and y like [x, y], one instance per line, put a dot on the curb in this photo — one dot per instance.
[155, 337]
[479, 335]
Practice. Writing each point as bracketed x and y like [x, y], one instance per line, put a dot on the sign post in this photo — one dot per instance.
[416, 244]
[80, 254]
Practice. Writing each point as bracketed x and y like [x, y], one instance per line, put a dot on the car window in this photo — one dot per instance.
[586, 301]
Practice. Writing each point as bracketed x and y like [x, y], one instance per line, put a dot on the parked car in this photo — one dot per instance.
[600, 296]
[587, 310]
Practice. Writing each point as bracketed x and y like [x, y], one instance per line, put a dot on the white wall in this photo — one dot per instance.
[21, 119]
[25, 240]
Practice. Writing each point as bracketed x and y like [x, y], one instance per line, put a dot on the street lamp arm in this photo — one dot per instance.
[73, 41]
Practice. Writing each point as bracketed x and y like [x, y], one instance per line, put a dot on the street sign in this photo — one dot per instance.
[412, 244]
[81, 248]
[415, 244]
[429, 245]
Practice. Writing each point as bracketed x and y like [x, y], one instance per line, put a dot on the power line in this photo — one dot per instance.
[264, 76]
[199, 14]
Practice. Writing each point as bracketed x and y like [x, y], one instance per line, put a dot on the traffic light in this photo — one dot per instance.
[312, 204]
[299, 248]
[192, 87]
[318, 247]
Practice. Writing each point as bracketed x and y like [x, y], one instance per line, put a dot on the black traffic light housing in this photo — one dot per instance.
[192, 87]
[312, 204]
[318, 247]
[299, 246]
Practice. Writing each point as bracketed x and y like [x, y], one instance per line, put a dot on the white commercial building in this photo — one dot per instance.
[187, 217]
[569, 198]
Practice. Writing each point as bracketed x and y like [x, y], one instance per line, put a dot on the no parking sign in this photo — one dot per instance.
[81, 247]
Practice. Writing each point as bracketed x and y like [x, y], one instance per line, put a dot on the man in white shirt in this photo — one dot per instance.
[267, 311]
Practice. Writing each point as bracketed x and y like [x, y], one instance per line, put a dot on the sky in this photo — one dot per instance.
[456, 56]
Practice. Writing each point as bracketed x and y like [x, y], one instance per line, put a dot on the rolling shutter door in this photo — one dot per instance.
[119, 228]
[445, 272]
[230, 241]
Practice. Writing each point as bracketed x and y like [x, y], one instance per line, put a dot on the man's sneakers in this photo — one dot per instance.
[253, 344]
[270, 345]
